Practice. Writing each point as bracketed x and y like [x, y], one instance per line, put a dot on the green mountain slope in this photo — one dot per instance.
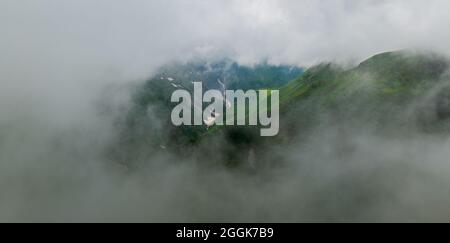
[390, 93]
[395, 94]
[388, 74]
[146, 126]
[382, 89]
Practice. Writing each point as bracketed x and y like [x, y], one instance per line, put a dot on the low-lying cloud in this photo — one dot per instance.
[59, 60]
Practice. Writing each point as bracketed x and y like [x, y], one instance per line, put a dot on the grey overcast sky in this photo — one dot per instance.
[49, 47]
[135, 34]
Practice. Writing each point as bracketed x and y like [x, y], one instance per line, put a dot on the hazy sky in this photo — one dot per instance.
[131, 36]
[67, 45]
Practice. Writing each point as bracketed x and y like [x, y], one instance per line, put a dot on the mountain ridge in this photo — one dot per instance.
[391, 93]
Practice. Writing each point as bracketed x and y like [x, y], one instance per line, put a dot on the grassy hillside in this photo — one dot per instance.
[390, 93]
[391, 89]
[146, 127]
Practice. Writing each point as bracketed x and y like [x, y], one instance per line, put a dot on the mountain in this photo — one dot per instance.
[390, 74]
[391, 93]
[393, 89]
[147, 125]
